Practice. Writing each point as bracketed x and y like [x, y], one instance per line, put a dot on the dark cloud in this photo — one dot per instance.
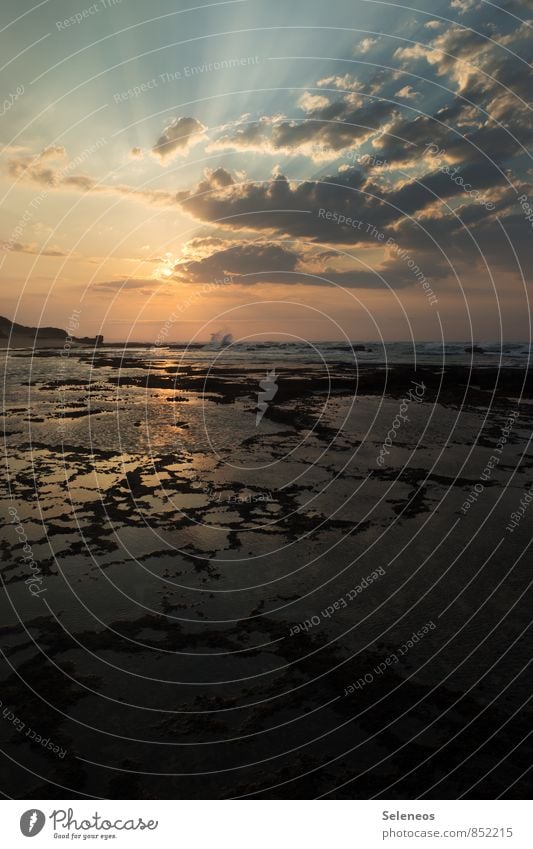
[474, 239]
[476, 178]
[336, 209]
[293, 208]
[253, 263]
[330, 127]
[416, 214]
[492, 76]
[177, 138]
[244, 262]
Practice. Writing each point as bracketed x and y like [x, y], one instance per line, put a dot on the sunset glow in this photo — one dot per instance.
[223, 143]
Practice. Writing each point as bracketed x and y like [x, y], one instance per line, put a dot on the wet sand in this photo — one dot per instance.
[175, 545]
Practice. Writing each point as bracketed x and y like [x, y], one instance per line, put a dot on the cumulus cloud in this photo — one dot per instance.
[408, 93]
[265, 263]
[345, 82]
[275, 204]
[352, 209]
[311, 102]
[464, 6]
[366, 45]
[294, 208]
[330, 127]
[177, 138]
[476, 62]
[244, 262]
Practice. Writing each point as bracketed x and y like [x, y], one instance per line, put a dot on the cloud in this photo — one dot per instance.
[464, 6]
[31, 248]
[330, 127]
[347, 118]
[31, 168]
[177, 138]
[255, 263]
[53, 178]
[485, 140]
[245, 262]
[408, 93]
[279, 205]
[344, 82]
[144, 286]
[475, 61]
[482, 72]
[275, 230]
[276, 204]
[311, 102]
[53, 152]
[353, 210]
[366, 45]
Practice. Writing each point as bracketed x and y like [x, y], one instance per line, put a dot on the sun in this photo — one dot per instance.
[166, 270]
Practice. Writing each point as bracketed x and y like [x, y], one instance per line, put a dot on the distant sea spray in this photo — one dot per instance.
[219, 340]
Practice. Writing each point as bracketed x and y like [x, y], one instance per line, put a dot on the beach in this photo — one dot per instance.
[204, 605]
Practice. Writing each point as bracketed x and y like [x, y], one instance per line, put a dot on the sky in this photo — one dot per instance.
[355, 169]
